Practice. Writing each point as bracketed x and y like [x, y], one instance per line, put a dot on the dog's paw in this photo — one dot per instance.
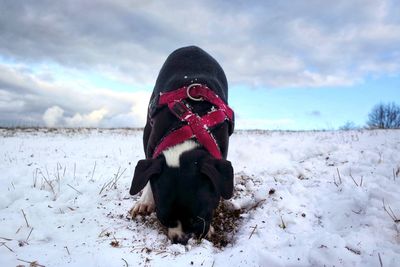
[142, 208]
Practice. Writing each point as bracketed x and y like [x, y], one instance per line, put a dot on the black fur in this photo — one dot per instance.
[191, 192]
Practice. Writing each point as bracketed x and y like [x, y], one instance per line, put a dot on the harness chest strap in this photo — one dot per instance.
[197, 127]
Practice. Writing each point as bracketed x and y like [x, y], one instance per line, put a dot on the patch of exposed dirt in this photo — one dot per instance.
[226, 223]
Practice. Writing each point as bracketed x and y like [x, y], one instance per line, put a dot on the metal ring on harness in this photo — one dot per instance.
[188, 92]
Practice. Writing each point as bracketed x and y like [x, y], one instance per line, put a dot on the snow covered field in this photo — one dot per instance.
[307, 199]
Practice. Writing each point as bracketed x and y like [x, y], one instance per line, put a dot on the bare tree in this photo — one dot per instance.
[348, 126]
[384, 116]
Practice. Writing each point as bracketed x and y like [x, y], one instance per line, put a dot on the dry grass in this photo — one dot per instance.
[390, 212]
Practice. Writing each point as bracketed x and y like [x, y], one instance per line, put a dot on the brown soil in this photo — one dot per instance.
[226, 223]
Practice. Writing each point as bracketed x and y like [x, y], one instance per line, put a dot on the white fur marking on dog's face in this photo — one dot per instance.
[173, 154]
[175, 232]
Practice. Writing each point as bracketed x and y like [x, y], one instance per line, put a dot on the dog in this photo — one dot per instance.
[185, 141]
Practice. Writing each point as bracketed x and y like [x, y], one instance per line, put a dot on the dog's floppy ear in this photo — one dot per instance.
[220, 172]
[144, 170]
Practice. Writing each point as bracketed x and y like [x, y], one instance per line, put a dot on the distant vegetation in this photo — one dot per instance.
[381, 116]
[384, 116]
[349, 125]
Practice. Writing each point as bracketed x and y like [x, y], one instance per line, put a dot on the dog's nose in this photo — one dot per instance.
[183, 239]
[177, 235]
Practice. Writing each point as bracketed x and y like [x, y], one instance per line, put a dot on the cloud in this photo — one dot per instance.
[266, 44]
[52, 116]
[307, 43]
[29, 99]
[315, 113]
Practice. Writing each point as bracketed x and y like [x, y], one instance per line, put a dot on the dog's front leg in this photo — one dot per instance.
[145, 205]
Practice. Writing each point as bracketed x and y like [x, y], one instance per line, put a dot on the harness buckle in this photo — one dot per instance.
[179, 109]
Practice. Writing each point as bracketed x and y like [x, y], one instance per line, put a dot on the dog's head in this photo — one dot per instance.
[186, 196]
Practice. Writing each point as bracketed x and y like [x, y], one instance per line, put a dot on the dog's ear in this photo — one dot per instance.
[220, 172]
[144, 170]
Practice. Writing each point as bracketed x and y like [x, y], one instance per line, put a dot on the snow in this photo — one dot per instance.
[313, 218]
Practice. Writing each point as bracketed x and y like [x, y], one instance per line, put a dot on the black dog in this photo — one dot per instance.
[185, 139]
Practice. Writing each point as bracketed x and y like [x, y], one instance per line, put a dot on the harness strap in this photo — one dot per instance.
[200, 91]
[197, 127]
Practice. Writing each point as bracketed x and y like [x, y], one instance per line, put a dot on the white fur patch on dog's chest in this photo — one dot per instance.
[173, 154]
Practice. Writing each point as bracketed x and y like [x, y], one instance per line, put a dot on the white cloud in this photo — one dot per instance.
[257, 44]
[66, 102]
[92, 119]
[53, 116]
[51, 51]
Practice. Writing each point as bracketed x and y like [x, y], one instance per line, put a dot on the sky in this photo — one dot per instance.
[290, 65]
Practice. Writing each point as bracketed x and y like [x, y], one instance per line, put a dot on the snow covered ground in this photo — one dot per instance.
[324, 199]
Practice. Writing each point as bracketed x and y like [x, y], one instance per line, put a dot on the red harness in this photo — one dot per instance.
[195, 126]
